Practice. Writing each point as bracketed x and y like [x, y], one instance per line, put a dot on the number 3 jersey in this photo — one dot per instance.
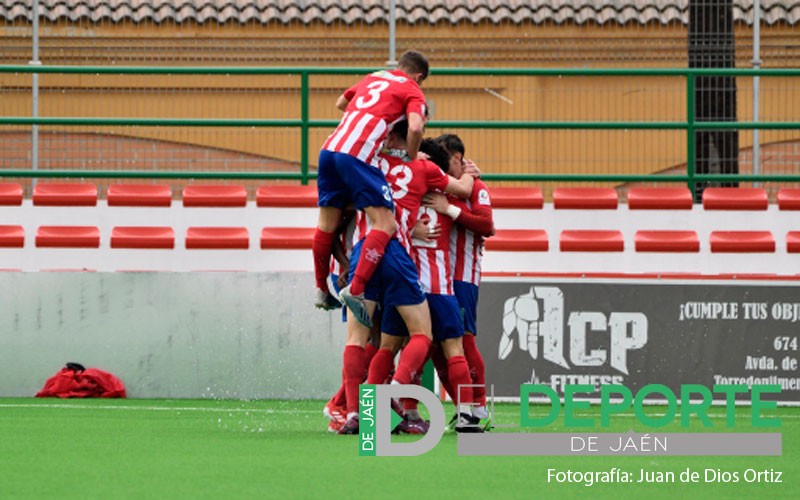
[375, 104]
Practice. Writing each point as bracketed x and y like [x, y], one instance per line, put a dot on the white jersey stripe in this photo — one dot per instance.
[369, 144]
[340, 132]
[356, 133]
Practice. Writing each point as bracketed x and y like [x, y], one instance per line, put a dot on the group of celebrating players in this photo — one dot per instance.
[404, 220]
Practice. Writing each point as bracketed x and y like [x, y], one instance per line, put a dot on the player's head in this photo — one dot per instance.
[436, 153]
[397, 136]
[455, 149]
[414, 64]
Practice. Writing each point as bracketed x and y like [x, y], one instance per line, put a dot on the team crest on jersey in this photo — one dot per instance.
[483, 197]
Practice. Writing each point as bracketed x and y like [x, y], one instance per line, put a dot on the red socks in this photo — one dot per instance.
[440, 363]
[458, 373]
[371, 254]
[477, 370]
[354, 366]
[339, 399]
[380, 367]
[412, 358]
[321, 247]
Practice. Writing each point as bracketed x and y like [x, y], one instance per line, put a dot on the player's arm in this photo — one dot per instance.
[416, 127]
[342, 102]
[478, 220]
[460, 188]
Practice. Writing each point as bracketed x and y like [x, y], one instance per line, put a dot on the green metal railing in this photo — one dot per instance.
[305, 124]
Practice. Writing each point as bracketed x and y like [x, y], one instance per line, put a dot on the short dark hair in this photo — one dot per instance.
[414, 62]
[452, 143]
[401, 129]
[437, 154]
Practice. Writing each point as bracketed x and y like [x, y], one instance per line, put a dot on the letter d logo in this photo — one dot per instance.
[383, 428]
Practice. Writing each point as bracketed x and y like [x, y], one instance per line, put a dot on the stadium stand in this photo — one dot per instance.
[585, 240]
[518, 240]
[12, 236]
[139, 195]
[729, 198]
[287, 238]
[214, 195]
[659, 198]
[286, 196]
[789, 199]
[666, 241]
[585, 197]
[742, 241]
[10, 193]
[217, 238]
[68, 236]
[64, 194]
[142, 237]
[146, 231]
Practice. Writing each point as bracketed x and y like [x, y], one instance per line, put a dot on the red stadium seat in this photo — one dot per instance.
[214, 195]
[10, 193]
[793, 242]
[12, 236]
[65, 194]
[516, 197]
[666, 241]
[68, 236]
[292, 238]
[518, 240]
[730, 198]
[585, 198]
[286, 196]
[660, 198]
[579, 240]
[742, 241]
[142, 237]
[217, 238]
[789, 198]
[139, 195]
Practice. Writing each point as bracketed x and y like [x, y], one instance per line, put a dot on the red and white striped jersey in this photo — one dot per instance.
[375, 104]
[433, 257]
[409, 180]
[466, 246]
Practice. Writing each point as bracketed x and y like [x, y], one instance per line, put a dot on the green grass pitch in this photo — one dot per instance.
[222, 449]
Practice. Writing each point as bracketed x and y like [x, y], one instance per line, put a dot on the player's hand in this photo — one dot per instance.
[436, 201]
[341, 281]
[423, 156]
[425, 231]
[472, 169]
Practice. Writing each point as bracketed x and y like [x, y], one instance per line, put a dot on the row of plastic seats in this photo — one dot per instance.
[510, 240]
[536, 240]
[224, 195]
[157, 237]
[158, 195]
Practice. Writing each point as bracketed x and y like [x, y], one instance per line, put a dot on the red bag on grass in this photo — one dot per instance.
[75, 381]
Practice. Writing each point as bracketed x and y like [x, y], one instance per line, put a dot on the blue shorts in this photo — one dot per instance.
[467, 295]
[342, 179]
[445, 319]
[395, 281]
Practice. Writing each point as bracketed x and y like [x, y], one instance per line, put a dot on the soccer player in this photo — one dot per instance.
[347, 175]
[432, 257]
[396, 280]
[474, 223]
